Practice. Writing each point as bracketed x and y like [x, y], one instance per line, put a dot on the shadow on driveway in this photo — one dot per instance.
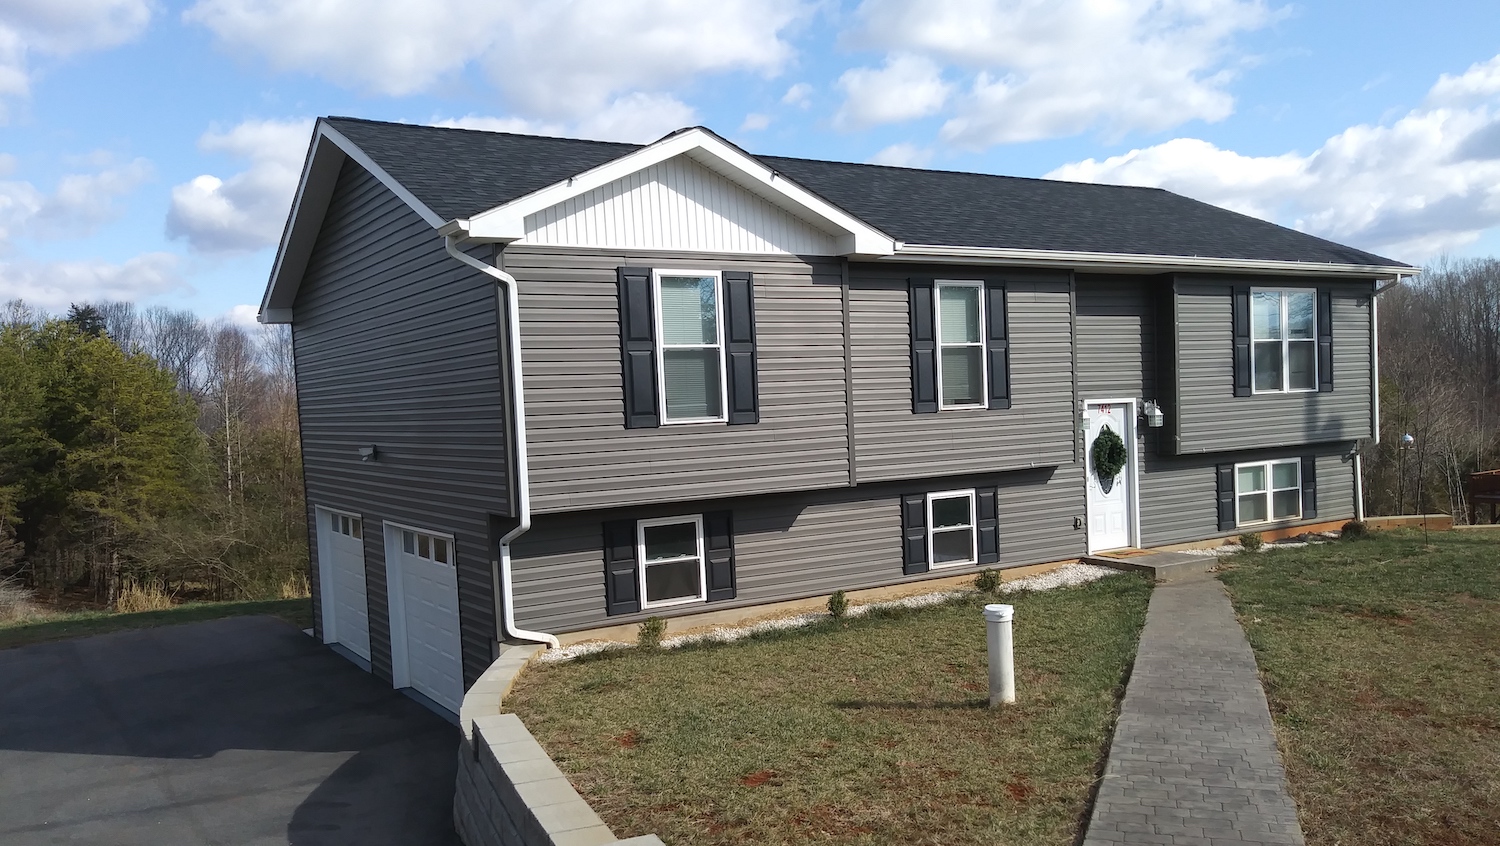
[234, 731]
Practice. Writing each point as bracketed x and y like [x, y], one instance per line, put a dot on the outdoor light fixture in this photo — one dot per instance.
[1407, 440]
[367, 453]
[1153, 414]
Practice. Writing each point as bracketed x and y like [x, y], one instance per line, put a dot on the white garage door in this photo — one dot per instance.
[424, 614]
[346, 614]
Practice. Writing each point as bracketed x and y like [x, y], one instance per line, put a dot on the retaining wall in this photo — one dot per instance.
[509, 792]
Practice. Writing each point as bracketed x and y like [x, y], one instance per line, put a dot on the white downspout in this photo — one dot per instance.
[518, 407]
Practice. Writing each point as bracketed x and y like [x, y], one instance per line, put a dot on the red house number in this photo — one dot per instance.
[1104, 408]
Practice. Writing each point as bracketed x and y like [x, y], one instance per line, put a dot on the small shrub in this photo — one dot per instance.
[1251, 541]
[136, 597]
[988, 581]
[838, 605]
[652, 628]
[1354, 529]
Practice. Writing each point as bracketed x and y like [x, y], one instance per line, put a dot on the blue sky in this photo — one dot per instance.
[151, 149]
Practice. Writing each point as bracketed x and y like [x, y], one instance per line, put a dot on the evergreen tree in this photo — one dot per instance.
[87, 320]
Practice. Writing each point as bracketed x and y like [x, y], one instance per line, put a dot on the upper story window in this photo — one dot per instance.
[1284, 340]
[960, 339]
[691, 352]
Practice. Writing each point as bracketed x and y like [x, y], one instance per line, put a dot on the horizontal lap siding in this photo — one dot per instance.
[581, 454]
[396, 347]
[1213, 419]
[1179, 495]
[1116, 334]
[891, 442]
[792, 546]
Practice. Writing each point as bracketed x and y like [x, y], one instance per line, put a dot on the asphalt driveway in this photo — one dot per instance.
[235, 731]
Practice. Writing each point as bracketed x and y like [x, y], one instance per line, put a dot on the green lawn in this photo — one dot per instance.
[84, 623]
[1381, 658]
[870, 732]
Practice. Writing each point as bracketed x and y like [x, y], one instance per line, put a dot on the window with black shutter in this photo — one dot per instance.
[1283, 340]
[960, 345]
[668, 561]
[949, 529]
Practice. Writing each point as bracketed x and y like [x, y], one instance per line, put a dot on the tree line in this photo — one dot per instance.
[148, 450]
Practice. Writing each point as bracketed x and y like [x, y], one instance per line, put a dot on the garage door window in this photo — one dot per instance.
[350, 526]
[671, 556]
[431, 547]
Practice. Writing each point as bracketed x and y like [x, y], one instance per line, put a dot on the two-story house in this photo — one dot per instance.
[550, 385]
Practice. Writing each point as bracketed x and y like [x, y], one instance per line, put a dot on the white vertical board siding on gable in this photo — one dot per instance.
[676, 205]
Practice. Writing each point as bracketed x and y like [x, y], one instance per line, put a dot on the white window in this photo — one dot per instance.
[960, 341]
[1284, 340]
[1267, 491]
[423, 545]
[347, 525]
[670, 553]
[690, 367]
[951, 539]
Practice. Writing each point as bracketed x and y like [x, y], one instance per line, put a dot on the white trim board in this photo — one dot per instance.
[1134, 446]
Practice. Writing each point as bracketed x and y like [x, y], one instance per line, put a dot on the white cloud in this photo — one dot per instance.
[637, 118]
[52, 29]
[1426, 183]
[755, 122]
[1050, 69]
[906, 88]
[799, 95]
[80, 202]
[247, 210]
[54, 285]
[903, 155]
[560, 61]
[242, 316]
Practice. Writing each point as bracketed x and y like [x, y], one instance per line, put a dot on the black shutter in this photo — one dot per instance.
[1309, 487]
[638, 348]
[924, 366]
[1325, 341]
[718, 530]
[1241, 320]
[997, 345]
[1226, 497]
[621, 585]
[988, 524]
[739, 301]
[914, 534]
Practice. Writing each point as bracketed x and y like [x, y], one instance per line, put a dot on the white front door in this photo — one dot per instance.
[424, 614]
[1111, 500]
[346, 612]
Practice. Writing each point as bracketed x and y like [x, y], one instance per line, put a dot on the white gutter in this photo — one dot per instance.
[1128, 261]
[508, 284]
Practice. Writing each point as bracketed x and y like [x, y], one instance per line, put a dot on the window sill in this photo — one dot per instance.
[673, 603]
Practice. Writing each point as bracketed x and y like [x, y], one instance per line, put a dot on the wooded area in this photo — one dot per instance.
[148, 453]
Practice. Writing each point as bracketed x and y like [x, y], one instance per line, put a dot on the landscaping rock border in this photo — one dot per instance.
[509, 792]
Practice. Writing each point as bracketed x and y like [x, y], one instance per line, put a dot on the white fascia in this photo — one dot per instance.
[1138, 263]
[855, 238]
[320, 170]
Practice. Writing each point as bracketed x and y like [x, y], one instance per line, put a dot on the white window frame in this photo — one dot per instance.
[984, 358]
[1286, 342]
[1269, 493]
[400, 540]
[641, 563]
[972, 528]
[662, 346]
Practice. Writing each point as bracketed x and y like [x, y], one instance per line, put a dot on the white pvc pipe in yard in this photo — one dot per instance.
[997, 619]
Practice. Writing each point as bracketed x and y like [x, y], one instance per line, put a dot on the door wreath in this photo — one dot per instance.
[1108, 456]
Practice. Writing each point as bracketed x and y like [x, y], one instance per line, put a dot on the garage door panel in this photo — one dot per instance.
[349, 622]
[431, 622]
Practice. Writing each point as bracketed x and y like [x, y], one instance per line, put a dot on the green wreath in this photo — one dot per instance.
[1108, 454]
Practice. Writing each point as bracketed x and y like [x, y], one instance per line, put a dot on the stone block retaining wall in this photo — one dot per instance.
[509, 793]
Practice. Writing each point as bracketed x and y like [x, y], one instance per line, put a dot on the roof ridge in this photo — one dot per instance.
[407, 125]
[963, 173]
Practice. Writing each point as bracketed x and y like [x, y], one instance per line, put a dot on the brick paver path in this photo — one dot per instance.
[1194, 759]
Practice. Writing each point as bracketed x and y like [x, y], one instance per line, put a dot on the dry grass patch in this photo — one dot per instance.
[1381, 659]
[868, 731]
[59, 625]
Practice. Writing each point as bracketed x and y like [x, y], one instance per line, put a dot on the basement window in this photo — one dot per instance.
[671, 554]
[1268, 490]
[951, 539]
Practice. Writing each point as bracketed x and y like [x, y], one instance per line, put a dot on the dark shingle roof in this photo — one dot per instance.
[459, 173]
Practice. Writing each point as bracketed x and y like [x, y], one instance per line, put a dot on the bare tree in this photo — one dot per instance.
[176, 339]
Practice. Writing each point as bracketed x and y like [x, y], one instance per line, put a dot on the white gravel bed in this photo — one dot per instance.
[1300, 541]
[1065, 576]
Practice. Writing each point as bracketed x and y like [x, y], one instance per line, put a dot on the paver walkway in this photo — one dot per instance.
[1194, 759]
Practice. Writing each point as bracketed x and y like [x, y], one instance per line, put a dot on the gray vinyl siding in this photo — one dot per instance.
[891, 442]
[1179, 495]
[581, 454]
[792, 546]
[1212, 419]
[396, 347]
[1116, 337]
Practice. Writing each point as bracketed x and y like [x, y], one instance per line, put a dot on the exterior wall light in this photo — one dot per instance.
[1154, 417]
[368, 453]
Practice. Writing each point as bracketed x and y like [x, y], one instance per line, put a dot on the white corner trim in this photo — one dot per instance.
[855, 237]
[1131, 261]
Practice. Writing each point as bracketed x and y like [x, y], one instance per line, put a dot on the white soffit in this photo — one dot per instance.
[853, 237]
[681, 205]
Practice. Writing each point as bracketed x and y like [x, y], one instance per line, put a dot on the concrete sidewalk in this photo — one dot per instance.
[1194, 758]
